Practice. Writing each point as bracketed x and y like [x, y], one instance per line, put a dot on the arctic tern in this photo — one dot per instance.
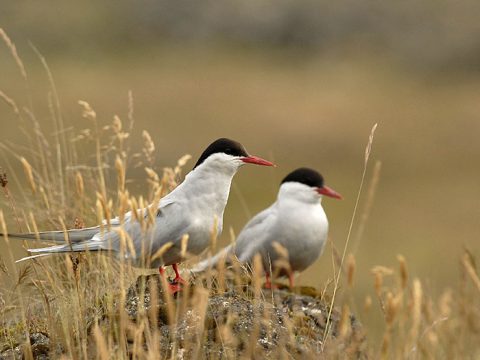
[289, 235]
[194, 209]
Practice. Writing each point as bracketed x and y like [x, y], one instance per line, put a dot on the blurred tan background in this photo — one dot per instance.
[299, 82]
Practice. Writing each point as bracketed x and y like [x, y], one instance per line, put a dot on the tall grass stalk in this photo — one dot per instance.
[337, 279]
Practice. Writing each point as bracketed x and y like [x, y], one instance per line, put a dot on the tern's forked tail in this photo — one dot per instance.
[88, 245]
[58, 236]
[73, 240]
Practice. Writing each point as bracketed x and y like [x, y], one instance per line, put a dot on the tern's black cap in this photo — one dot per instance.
[305, 176]
[222, 145]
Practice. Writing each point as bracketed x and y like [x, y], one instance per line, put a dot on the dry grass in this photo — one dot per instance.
[79, 300]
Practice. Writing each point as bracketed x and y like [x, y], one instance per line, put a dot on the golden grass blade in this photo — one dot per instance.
[27, 168]
[337, 280]
[350, 269]
[160, 252]
[467, 263]
[10, 102]
[184, 245]
[13, 49]
[369, 200]
[102, 347]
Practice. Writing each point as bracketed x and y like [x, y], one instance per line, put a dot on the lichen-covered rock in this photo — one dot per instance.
[40, 347]
[236, 322]
[12, 354]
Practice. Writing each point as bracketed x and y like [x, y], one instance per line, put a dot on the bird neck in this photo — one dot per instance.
[296, 192]
[208, 188]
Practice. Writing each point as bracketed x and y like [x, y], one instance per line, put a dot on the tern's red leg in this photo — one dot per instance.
[173, 288]
[268, 283]
[290, 280]
[178, 279]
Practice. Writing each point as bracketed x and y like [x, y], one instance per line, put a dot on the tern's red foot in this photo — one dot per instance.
[270, 286]
[268, 283]
[178, 278]
[173, 287]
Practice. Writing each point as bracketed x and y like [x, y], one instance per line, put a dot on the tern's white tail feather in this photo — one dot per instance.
[32, 257]
[92, 245]
[72, 240]
[213, 261]
[81, 246]
[73, 235]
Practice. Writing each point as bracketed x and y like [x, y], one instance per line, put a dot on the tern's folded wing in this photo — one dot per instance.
[253, 236]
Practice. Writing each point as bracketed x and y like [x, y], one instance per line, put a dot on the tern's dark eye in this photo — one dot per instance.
[235, 152]
[225, 146]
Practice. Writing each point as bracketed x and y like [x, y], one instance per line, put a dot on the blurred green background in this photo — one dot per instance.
[299, 82]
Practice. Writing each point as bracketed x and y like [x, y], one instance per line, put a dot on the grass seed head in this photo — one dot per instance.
[350, 269]
[13, 50]
[148, 146]
[367, 304]
[88, 113]
[116, 124]
[79, 185]
[27, 168]
[403, 271]
[9, 102]
[416, 309]
[391, 308]
[344, 325]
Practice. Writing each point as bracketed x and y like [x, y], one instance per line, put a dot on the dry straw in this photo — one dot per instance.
[467, 263]
[337, 279]
[10, 102]
[13, 49]
[350, 269]
[29, 173]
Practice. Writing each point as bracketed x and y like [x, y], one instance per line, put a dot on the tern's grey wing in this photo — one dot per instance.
[99, 238]
[94, 239]
[253, 236]
[244, 244]
[116, 221]
[166, 228]
[171, 225]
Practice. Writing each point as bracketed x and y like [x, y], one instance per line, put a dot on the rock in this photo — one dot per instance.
[12, 354]
[40, 345]
[236, 323]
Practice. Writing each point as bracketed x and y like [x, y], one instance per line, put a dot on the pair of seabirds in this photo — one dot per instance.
[296, 221]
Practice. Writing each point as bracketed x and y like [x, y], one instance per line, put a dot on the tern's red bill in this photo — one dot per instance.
[325, 190]
[251, 159]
